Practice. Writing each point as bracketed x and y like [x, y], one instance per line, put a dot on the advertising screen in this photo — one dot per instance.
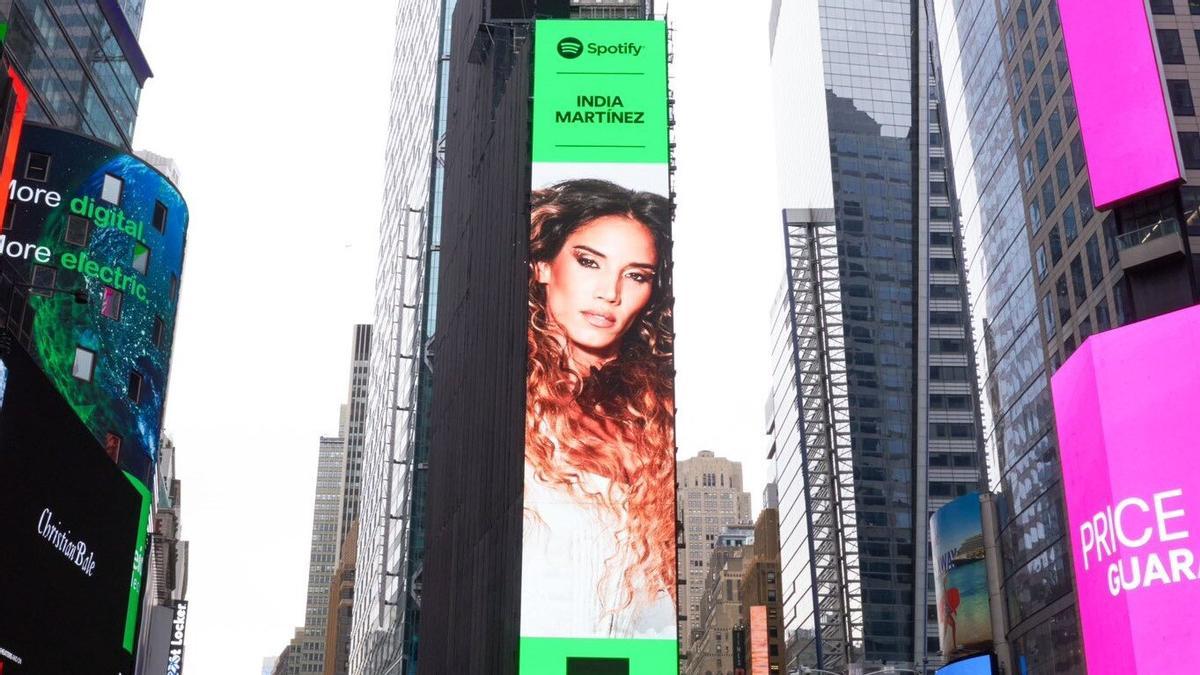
[1125, 405]
[760, 657]
[598, 566]
[960, 577]
[90, 259]
[984, 664]
[1123, 114]
[73, 527]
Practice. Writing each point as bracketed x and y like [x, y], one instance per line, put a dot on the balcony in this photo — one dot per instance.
[1155, 243]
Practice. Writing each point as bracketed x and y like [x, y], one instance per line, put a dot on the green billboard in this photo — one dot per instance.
[598, 563]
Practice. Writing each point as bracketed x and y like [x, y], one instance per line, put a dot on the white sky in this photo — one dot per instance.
[276, 113]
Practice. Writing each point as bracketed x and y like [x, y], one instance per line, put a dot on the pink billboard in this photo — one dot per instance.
[1127, 405]
[1123, 113]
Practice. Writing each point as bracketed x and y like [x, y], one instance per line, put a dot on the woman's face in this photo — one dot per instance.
[598, 284]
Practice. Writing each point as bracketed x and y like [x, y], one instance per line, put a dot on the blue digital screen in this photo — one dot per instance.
[976, 665]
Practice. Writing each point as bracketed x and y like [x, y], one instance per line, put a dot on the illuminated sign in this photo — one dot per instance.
[984, 664]
[760, 659]
[960, 577]
[175, 646]
[73, 525]
[1124, 118]
[1125, 405]
[95, 241]
[598, 567]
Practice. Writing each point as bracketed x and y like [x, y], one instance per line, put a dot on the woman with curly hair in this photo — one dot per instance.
[599, 543]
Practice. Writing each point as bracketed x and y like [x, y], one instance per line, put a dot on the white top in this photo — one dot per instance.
[575, 555]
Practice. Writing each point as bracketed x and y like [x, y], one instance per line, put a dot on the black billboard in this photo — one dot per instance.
[72, 528]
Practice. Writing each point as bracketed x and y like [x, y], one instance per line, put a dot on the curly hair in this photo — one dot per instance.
[616, 421]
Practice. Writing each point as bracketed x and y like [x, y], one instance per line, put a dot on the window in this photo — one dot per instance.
[77, 230]
[1063, 299]
[1062, 175]
[1095, 264]
[141, 257]
[1048, 198]
[1022, 18]
[1070, 227]
[1078, 158]
[1169, 45]
[1054, 16]
[1043, 152]
[1023, 124]
[159, 332]
[110, 305]
[1085, 203]
[1078, 282]
[1035, 105]
[37, 167]
[1061, 65]
[1042, 37]
[135, 386]
[1069, 108]
[1102, 320]
[173, 289]
[1197, 33]
[160, 216]
[1041, 262]
[1048, 312]
[43, 280]
[1085, 328]
[1056, 248]
[1028, 169]
[1035, 214]
[1027, 61]
[1181, 98]
[1110, 240]
[112, 446]
[85, 364]
[1162, 7]
[1056, 129]
[1010, 41]
[111, 190]
[1194, 6]
[1048, 82]
[937, 188]
[1018, 83]
[1189, 144]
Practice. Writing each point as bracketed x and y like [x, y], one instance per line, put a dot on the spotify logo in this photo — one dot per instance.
[570, 48]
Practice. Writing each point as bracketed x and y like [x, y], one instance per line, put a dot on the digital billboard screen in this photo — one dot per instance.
[1124, 118]
[91, 255]
[960, 577]
[598, 563]
[1125, 405]
[984, 664]
[73, 528]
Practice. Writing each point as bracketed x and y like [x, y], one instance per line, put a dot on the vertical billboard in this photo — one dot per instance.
[1124, 118]
[91, 254]
[73, 531]
[598, 565]
[960, 577]
[1126, 404]
[760, 656]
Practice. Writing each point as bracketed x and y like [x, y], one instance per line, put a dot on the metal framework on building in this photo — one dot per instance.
[819, 353]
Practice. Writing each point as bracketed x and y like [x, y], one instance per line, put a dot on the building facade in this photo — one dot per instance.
[310, 657]
[341, 606]
[720, 610]
[710, 498]
[353, 426]
[761, 587]
[82, 62]
[395, 440]
[1047, 269]
[875, 420]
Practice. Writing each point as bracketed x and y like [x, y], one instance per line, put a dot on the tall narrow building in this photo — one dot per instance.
[353, 428]
[396, 438]
[710, 498]
[874, 421]
[322, 557]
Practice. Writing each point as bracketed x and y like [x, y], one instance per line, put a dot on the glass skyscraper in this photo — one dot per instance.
[391, 531]
[875, 419]
[82, 63]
